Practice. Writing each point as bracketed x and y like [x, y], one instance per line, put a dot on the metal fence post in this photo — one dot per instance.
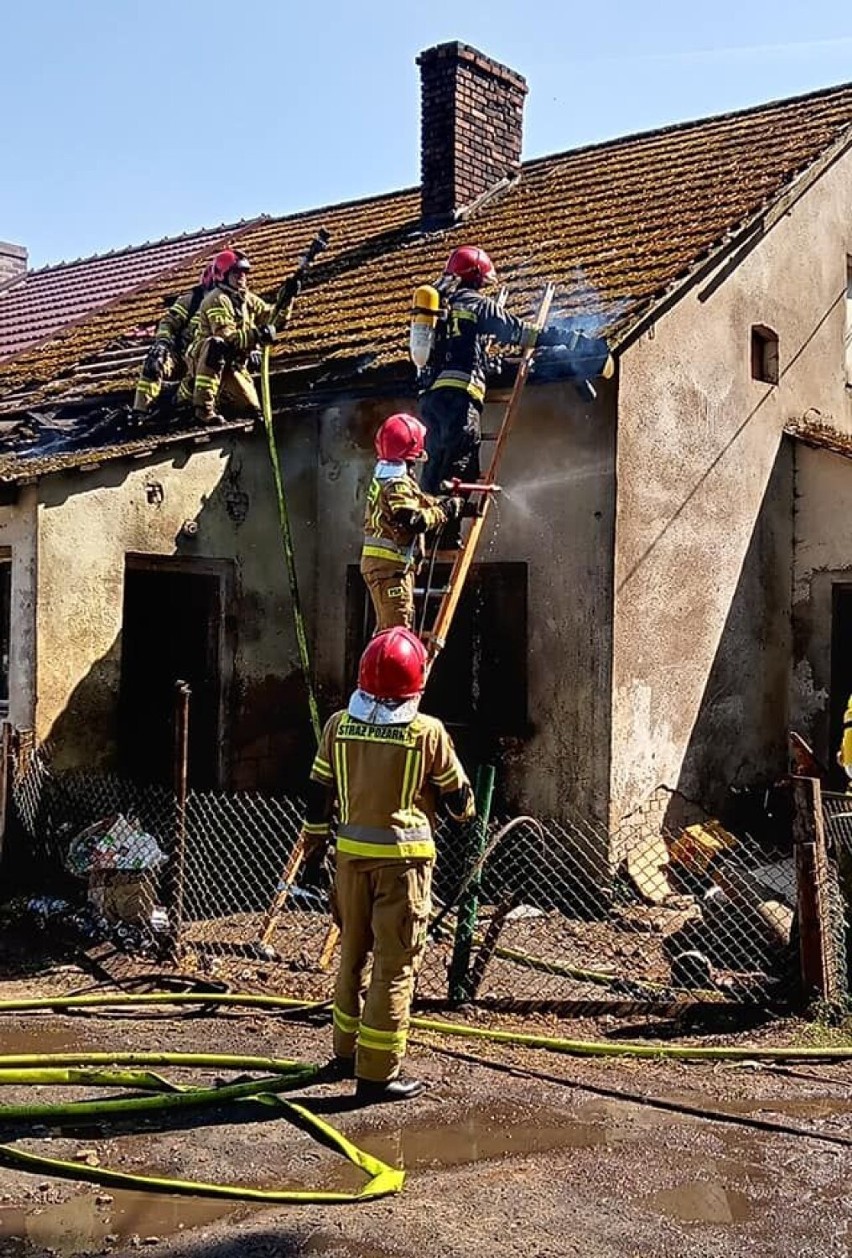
[177, 863]
[821, 979]
[477, 834]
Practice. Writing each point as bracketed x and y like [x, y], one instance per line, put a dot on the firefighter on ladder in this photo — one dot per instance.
[232, 323]
[384, 767]
[457, 371]
[172, 339]
[397, 515]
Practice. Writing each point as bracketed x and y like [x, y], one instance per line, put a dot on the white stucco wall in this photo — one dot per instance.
[88, 523]
[701, 632]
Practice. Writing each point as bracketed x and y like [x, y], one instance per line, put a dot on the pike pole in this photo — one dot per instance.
[282, 311]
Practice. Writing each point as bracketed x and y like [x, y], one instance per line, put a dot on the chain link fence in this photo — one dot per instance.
[542, 912]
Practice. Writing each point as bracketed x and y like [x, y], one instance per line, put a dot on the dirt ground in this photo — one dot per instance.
[497, 1162]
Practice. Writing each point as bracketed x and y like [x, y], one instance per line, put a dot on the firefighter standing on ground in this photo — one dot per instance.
[452, 404]
[172, 339]
[232, 322]
[397, 515]
[385, 766]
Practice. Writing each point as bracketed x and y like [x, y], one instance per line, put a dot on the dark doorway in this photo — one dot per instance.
[173, 629]
[479, 683]
[841, 673]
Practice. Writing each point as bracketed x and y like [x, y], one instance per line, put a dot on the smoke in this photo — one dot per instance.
[574, 343]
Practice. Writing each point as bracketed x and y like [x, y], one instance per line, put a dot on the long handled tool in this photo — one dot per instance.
[283, 307]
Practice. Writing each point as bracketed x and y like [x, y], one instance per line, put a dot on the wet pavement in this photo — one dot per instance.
[496, 1164]
[96, 1221]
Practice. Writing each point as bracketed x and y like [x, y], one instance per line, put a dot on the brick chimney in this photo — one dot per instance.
[471, 127]
[13, 262]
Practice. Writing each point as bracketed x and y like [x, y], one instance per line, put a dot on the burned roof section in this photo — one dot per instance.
[618, 225]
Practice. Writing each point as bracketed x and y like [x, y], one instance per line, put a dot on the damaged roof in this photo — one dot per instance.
[37, 303]
[618, 225]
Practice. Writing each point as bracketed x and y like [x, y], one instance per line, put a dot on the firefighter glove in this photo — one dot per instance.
[254, 360]
[288, 291]
[453, 507]
[157, 360]
[266, 334]
[314, 872]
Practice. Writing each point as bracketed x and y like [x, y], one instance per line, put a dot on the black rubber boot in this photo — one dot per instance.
[337, 1068]
[369, 1092]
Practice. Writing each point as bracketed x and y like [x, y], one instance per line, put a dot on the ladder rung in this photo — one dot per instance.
[431, 593]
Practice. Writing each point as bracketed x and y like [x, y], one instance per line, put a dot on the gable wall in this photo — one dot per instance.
[705, 509]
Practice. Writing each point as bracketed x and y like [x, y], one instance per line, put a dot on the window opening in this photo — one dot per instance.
[764, 354]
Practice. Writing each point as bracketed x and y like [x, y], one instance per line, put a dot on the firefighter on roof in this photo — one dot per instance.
[457, 361]
[397, 515]
[175, 333]
[385, 767]
[232, 322]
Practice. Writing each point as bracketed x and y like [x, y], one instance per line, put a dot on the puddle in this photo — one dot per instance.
[81, 1225]
[32, 1038]
[487, 1136]
[699, 1202]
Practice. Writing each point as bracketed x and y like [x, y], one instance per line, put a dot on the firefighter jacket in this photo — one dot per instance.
[178, 325]
[460, 359]
[233, 319]
[845, 754]
[397, 513]
[386, 781]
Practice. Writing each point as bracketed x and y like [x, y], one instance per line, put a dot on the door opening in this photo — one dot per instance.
[173, 629]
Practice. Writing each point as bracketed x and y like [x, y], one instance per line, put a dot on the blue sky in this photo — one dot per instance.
[124, 121]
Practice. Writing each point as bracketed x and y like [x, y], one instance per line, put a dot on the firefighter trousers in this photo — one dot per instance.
[211, 376]
[382, 906]
[453, 437]
[150, 384]
[392, 593]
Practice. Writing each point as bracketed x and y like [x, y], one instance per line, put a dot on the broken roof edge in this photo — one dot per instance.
[754, 228]
[819, 435]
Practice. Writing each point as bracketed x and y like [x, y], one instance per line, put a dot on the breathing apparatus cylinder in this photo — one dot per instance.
[424, 321]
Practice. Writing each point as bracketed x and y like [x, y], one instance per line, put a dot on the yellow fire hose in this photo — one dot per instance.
[100, 1070]
[556, 1044]
[105, 1070]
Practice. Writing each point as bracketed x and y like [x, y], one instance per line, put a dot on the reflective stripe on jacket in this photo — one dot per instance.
[388, 539]
[232, 318]
[178, 325]
[387, 780]
[461, 358]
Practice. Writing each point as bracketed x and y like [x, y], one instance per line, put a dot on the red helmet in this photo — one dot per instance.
[393, 665]
[226, 261]
[207, 276]
[471, 265]
[401, 437]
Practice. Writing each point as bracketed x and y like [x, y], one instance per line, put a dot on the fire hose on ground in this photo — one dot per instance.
[122, 1070]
